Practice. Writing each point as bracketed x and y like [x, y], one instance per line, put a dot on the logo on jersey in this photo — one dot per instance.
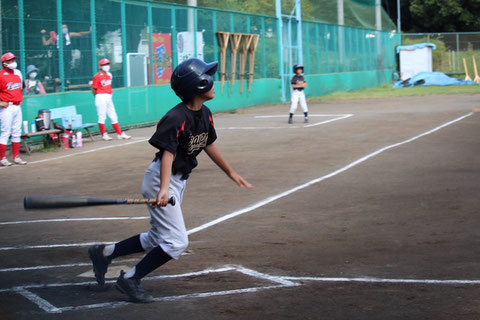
[197, 142]
[104, 83]
[14, 86]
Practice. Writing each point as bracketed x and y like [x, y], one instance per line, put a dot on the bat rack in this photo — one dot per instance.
[245, 44]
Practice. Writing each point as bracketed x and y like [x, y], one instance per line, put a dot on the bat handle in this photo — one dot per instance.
[171, 201]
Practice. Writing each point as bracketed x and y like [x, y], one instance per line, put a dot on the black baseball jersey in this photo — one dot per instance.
[185, 133]
[298, 80]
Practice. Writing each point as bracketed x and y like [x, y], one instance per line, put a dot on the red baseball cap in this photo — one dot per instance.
[8, 56]
[104, 61]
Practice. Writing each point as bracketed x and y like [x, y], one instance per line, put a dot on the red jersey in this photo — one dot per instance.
[11, 86]
[102, 82]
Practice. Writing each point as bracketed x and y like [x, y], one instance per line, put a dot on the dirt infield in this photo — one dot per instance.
[370, 211]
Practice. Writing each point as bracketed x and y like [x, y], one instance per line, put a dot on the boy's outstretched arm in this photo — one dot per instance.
[214, 154]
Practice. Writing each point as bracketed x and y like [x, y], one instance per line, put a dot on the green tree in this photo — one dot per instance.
[446, 15]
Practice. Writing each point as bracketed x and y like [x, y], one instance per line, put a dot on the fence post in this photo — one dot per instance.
[61, 66]
[195, 51]
[174, 37]
[215, 40]
[94, 36]
[264, 55]
[458, 52]
[124, 41]
[150, 41]
[21, 31]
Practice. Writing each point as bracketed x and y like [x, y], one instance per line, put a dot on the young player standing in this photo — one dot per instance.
[11, 97]
[181, 135]
[298, 85]
[102, 90]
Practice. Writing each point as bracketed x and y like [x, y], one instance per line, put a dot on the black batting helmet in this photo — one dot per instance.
[297, 66]
[193, 77]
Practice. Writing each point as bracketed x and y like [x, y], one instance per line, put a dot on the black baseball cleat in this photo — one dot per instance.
[99, 261]
[290, 121]
[133, 288]
[305, 121]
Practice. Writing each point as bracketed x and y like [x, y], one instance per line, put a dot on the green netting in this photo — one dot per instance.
[116, 29]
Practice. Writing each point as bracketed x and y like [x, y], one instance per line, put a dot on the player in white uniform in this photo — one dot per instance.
[181, 135]
[102, 90]
[11, 97]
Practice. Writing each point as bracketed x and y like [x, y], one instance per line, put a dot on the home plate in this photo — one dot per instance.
[112, 273]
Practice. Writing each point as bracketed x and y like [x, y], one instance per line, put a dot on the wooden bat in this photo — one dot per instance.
[51, 202]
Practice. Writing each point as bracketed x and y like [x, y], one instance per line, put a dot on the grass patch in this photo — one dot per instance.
[386, 91]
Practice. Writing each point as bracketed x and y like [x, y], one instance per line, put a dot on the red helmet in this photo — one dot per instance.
[103, 62]
[8, 56]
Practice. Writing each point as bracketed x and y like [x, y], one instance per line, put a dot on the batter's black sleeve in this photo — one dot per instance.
[168, 131]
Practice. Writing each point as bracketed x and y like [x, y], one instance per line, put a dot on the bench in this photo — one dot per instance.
[70, 121]
[26, 136]
[69, 115]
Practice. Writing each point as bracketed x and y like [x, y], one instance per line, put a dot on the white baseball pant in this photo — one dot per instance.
[11, 119]
[167, 227]
[105, 107]
[297, 96]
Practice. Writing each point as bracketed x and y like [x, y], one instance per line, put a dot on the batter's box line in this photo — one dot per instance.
[336, 118]
[279, 282]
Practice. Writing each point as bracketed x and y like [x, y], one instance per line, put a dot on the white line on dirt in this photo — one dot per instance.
[41, 303]
[325, 177]
[275, 197]
[74, 219]
[379, 280]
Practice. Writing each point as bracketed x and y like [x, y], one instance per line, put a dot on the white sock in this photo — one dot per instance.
[108, 250]
[130, 273]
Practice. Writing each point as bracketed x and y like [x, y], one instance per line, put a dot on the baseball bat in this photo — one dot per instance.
[51, 202]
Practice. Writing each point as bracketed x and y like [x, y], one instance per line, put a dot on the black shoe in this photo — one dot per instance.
[290, 121]
[305, 121]
[99, 261]
[133, 288]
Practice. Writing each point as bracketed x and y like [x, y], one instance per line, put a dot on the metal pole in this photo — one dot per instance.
[378, 14]
[278, 11]
[190, 13]
[150, 42]
[195, 51]
[340, 13]
[298, 12]
[215, 40]
[61, 66]
[94, 36]
[21, 35]
[124, 42]
[399, 20]
[264, 52]
[174, 38]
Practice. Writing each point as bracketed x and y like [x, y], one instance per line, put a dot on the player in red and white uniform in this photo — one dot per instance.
[11, 97]
[102, 90]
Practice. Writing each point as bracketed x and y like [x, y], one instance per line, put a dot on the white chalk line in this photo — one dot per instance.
[279, 282]
[74, 219]
[68, 265]
[276, 197]
[301, 115]
[49, 308]
[138, 140]
[338, 117]
[312, 182]
[40, 302]
[80, 153]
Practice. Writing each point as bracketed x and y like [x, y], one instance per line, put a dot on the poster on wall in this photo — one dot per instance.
[186, 47]
[162, 57]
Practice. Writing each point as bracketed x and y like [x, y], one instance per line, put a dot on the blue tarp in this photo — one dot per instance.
[417, 46]
[431, 79]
